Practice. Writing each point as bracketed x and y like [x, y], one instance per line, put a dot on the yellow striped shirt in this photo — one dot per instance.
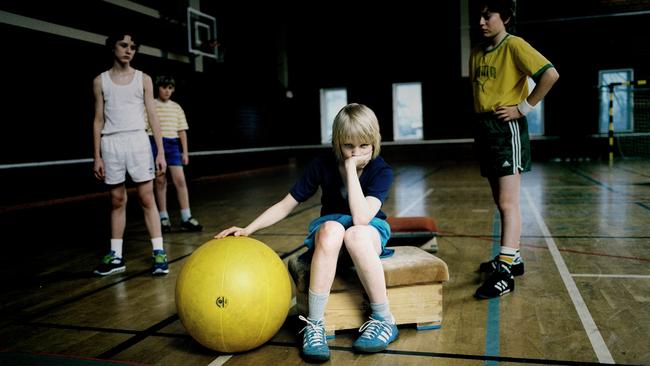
[172, 119]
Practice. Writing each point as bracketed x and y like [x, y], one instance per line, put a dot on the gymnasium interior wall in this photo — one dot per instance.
[241, 102]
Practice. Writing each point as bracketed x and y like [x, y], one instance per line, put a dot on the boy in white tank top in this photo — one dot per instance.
[122, 97]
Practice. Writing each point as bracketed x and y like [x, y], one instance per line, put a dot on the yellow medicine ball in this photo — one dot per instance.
[233, 294]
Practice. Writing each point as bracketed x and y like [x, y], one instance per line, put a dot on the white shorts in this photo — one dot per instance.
[130, 152]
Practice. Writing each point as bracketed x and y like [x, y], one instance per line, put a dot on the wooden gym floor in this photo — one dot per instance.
[584, 298]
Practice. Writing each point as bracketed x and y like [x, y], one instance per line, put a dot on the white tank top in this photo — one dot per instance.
[123, 104]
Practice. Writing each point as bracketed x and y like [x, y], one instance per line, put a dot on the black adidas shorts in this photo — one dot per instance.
[503, 148]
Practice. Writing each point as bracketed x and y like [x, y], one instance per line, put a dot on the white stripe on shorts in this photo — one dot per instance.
[515, 141]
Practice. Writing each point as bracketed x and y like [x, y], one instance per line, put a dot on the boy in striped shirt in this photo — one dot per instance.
[173, 125]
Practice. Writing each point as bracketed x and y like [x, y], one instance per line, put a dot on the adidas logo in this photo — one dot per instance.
[505, 164]
[502, 286]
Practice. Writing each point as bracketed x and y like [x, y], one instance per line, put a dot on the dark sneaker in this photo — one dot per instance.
[160, 266]
[314, 342]
[110, 264]
[498, 284]
[165, 225]
[517, 269]
[191, 224]
[376, 336]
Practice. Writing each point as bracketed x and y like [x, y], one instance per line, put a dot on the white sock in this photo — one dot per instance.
[317, 304]
[157, 243]
[518, 257]
[382, 311]
[164, 215]
[116, 246]
[186, 214]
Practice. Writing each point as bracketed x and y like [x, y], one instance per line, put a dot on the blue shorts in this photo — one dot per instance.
[346, 220]
[173, 153]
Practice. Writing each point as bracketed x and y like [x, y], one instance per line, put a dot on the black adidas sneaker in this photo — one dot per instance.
[499, 283]
[517, 269]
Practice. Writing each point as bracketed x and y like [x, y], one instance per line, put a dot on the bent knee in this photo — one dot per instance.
[330, 234]
[359, 233]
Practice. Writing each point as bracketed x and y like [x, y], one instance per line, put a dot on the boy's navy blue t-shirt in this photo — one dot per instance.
[323, 172]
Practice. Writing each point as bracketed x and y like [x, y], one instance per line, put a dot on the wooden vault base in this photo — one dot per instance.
[414, 281]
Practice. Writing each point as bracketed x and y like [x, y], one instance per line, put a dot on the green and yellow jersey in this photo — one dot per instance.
[499, 75]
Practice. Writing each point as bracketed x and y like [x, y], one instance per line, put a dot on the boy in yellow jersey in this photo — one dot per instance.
[173, 125]
[500, 67]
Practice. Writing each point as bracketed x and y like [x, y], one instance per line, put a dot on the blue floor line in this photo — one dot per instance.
[492, 344]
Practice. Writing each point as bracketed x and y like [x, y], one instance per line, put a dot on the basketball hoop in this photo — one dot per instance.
[202, 34]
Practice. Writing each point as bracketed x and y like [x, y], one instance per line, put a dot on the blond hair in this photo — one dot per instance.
[355, 123]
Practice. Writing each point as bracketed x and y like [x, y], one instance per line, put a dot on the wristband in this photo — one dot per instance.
[524, 108]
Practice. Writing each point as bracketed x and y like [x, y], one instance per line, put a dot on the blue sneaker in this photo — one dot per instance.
[314, 342]
[110, 264]
[376, 336]
[160, 266]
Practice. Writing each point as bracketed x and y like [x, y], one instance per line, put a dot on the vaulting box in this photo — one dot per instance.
[414, 280]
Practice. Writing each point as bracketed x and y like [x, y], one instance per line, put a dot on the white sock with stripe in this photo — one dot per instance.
[507, 257]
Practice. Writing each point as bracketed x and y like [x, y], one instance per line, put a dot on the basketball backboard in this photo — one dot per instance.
[202, 34]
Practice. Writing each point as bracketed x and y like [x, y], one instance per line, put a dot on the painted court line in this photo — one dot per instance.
[596, 339]
[220, 360]
[602, 275]
[425, 195]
